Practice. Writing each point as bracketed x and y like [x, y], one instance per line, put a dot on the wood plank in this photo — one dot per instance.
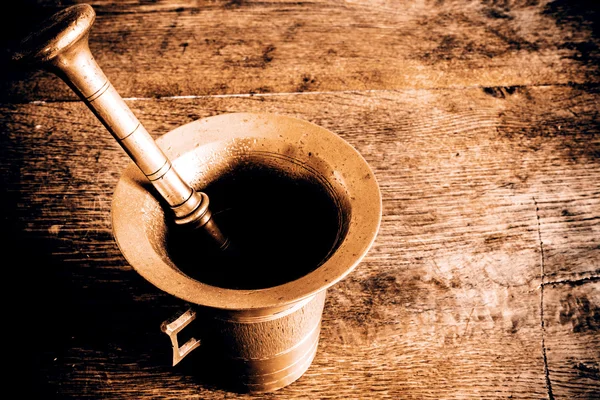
[572, 322]
[186, 47]
[569, 233]
[447, 302]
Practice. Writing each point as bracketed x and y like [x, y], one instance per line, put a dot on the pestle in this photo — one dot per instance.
[61, 46]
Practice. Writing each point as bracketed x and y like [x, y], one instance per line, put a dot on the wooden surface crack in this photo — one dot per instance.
[573, 282]
[543, 327]
[496, 91]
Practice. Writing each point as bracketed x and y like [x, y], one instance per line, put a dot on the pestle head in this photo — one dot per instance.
[56, 34]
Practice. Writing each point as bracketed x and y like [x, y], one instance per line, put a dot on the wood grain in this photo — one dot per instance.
[480, 120]
[572, 321]
[448, 302]
[189, 47]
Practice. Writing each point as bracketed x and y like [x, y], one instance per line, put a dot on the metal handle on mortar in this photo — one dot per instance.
[172, 328]
[61, 46]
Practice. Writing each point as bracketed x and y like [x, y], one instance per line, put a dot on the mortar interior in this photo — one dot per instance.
[284, 211]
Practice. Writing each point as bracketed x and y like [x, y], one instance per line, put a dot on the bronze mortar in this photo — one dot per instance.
[266, 337]
[301, 203]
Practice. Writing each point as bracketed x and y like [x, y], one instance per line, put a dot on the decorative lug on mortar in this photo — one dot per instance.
[173, 328]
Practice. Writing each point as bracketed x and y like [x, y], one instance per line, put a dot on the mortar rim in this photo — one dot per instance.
[364, 195]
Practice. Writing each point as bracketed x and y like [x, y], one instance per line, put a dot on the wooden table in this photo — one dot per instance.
[480, 120]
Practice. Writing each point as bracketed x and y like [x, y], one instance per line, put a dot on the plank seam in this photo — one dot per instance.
[330, 92]
[542, 284]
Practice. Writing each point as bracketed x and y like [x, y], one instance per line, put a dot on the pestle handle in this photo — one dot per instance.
[61, 46]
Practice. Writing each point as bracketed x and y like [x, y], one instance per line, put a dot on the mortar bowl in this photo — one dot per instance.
[301, 202]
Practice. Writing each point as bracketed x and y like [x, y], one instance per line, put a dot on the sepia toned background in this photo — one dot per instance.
[480, 120]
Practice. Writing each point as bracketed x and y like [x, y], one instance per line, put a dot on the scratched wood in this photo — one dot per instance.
[572, 321]
[486, 254]
[483, 282]
[189, 47]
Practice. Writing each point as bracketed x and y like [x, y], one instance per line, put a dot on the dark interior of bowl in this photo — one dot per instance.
[282, 225]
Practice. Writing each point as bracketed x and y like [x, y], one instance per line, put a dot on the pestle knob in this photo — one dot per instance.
[61, 46]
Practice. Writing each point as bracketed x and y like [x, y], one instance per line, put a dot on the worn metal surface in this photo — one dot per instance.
[208, 149]
[247, 353]
[274, 351]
